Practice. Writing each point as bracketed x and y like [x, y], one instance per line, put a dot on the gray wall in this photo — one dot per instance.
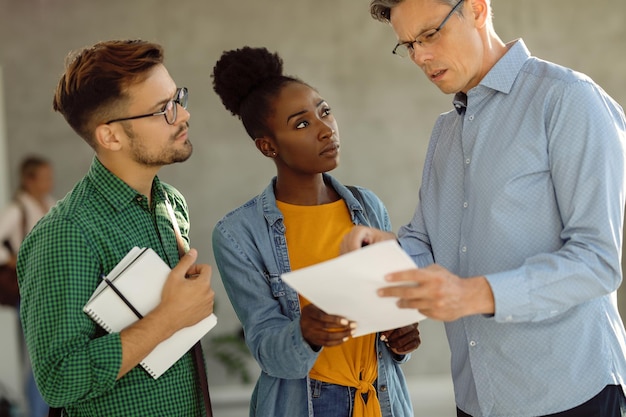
[384, 105]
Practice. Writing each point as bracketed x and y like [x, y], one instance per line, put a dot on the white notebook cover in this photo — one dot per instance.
[140, 277]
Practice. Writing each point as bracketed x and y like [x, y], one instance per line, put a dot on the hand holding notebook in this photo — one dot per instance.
[130, 291]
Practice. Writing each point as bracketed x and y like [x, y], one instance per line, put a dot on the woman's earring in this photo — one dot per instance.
[273, 154]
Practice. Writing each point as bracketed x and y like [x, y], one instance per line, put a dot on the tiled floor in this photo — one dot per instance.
[432, 396]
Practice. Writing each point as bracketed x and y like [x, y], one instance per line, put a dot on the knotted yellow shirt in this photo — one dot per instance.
[313, 235]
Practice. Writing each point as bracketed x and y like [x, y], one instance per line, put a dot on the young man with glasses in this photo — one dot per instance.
[119, 97]
[521, 206]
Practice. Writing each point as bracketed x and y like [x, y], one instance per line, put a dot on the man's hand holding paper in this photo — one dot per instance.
[347, 286]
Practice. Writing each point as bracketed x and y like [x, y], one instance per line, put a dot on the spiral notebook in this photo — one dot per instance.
[130, 291]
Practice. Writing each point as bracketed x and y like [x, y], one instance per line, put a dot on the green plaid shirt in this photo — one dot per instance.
[59, 266]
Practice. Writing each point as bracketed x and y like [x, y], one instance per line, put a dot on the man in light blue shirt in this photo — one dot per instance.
[518, 233]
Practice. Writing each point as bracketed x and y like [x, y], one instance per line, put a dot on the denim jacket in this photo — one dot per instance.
[251, 254]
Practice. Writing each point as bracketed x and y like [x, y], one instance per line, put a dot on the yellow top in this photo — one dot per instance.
[313, 235]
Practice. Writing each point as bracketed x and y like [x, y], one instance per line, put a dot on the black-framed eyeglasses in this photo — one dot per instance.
[169, 111]
[424, 39]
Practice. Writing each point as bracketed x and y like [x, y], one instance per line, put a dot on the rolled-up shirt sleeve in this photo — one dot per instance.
[57, 274]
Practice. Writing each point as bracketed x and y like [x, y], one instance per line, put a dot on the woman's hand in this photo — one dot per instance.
[403, 340]
[321, 329]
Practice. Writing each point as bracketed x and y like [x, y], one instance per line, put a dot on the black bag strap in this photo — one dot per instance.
[23, 212]
[55, 412]
[357, 194]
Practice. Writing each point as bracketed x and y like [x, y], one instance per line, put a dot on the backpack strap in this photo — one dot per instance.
[357, 194]
[23, 212]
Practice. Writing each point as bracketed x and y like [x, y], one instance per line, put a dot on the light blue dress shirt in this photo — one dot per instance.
[527, 187]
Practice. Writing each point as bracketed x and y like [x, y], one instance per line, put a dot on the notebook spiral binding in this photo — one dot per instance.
[147, 369]
[98, 320]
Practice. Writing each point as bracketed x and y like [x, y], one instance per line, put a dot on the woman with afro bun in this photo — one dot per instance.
[311, 366]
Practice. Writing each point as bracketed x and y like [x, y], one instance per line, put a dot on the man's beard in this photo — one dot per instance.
[158, 158]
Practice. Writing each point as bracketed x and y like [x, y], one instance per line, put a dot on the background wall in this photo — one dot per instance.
[384, 105]
[4, 171]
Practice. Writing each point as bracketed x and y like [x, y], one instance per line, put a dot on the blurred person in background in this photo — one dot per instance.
[31, 202]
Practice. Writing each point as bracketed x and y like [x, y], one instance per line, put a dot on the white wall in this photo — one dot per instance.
[5, 191]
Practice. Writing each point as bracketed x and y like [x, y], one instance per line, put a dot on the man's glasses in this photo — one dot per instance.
[425, 39]
[169, 111]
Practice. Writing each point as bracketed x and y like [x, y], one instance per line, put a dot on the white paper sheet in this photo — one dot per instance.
[346, 286]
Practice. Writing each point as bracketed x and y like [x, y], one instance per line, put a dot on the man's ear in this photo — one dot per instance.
[480, 12]
[106, 137]
[265, 146]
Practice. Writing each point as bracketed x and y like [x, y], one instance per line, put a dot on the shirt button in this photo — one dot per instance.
[472, 343]
[467, 161]
[471, 118]
[380, 355]
[509, 318]
[465, 204]
[383, 388]
[464, 249]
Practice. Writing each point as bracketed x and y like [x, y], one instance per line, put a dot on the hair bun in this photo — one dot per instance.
[238, 72]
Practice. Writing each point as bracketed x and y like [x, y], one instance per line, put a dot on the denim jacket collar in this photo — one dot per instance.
[273, 215]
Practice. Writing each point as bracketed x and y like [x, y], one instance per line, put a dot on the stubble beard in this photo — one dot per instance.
[166, 156]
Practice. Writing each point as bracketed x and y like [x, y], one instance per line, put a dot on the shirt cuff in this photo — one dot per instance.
[511, 297]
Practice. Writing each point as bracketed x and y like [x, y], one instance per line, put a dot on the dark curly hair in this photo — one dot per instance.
[247, 80]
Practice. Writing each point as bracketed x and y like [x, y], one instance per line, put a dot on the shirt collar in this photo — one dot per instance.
[273, 214]
[501, 76]
[114, 190]
[504, 73]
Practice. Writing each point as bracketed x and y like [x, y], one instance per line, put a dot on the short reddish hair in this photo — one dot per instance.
[96, 79]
